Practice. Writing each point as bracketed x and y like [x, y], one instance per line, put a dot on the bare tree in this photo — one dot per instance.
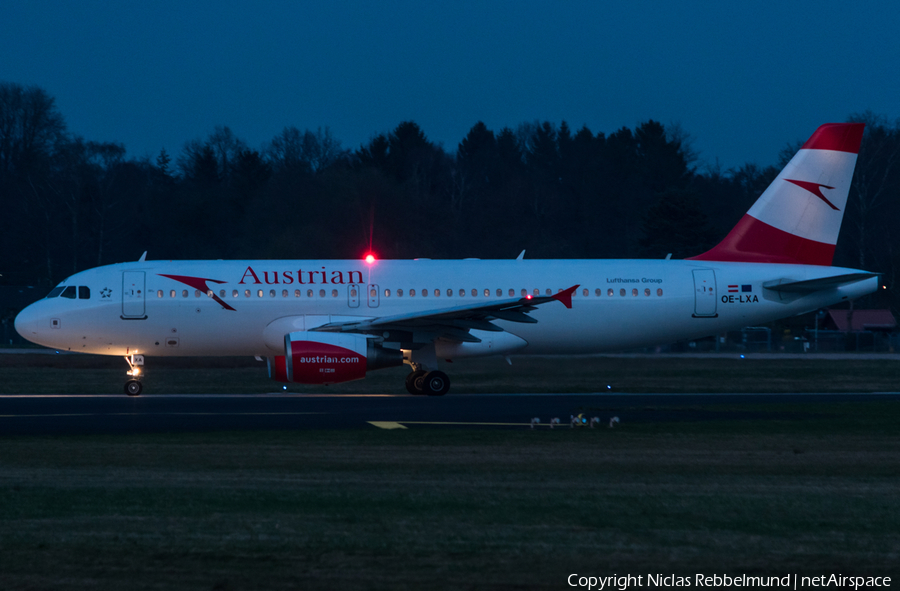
[877, 175]
[307, 150]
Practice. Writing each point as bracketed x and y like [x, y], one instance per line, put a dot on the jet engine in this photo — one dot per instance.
[330, 358]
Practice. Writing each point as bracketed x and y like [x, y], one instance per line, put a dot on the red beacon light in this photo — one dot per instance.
[370, 258]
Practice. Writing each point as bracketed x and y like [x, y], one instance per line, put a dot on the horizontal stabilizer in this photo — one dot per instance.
[812, 285]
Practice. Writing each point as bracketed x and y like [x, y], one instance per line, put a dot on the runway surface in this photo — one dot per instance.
[87, 414]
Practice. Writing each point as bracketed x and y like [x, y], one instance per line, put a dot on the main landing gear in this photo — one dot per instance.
[133, 387]
[421, 380]
[430, 383]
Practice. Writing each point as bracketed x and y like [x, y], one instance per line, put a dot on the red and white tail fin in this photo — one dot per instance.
[798, 218]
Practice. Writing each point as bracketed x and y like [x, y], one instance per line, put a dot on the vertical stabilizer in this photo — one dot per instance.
[798, 217]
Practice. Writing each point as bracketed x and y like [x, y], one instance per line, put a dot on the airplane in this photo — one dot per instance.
[330, 321]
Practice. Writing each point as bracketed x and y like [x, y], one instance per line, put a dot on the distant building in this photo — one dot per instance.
[856, 330]
[860, 320]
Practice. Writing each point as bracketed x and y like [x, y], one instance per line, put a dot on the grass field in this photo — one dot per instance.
[462, 509]
[453, 509]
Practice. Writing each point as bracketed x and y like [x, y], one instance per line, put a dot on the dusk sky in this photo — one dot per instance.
[743, 79]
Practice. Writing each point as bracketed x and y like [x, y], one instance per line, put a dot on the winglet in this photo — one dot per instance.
[565, 296]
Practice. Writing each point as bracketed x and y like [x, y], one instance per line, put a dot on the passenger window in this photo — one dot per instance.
[524, 292]
[598, 292]
[271, 293]
[512, 292]
[537, 291]
[259, 293]
[222, 293]
[68, 292]
[296, 293]
[284, 293]
[309, 293]
[399, 293]
[424, 293]
[487, 293]
[159, 293]
[659, 292]
[55, 292]
[234, 293]
[474, 292]
[585, 292]
[609, 292]
[437, 293]
[622, 292]
[634, 292]
[196, 293]
[184, 293]
[172, 294]
[246, 293]
[647, 292]
[334, 293]
[499, 293]
[449, 292]
[210, 294]
[321, 293]
[387, 293]
[412, 293]
[462, 293]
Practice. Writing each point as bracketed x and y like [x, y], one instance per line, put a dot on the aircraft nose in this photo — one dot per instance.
[26, 323]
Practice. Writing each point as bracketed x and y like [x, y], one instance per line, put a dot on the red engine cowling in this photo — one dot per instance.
[330, 358]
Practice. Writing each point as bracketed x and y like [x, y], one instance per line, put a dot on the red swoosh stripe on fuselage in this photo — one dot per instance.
[199, 283]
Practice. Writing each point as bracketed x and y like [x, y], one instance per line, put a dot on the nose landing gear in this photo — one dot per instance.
[133, 387]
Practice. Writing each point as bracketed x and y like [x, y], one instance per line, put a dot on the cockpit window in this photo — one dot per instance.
[55, 292]
[84, 292]
[69, 292]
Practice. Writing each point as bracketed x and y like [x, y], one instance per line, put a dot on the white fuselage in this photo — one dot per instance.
[134, 308]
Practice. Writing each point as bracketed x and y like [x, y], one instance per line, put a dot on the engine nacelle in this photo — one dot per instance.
[330, 358]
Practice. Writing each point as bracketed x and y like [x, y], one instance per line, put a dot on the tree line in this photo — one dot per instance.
[67, 203]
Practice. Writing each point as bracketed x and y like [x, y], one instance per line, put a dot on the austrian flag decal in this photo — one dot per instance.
[740, 294]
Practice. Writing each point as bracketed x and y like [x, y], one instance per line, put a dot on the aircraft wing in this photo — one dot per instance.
[453, 323]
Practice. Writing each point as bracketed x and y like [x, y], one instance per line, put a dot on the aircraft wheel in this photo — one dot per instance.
[414, 382]
[435, 383]
[133, 388]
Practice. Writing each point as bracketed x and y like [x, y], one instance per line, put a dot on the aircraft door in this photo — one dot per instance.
[373, 296]
[353, 295]
[704, 293]
[133, 294]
